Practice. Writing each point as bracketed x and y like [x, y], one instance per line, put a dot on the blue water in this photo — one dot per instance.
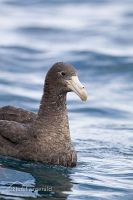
[96, 36]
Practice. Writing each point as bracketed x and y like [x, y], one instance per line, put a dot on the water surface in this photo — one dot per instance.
[96, 37]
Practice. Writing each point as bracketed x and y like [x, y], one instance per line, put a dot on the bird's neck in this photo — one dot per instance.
[51, 104]
[53, 101]
[53, 111]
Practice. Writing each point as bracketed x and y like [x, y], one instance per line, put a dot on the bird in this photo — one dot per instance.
[43, 136]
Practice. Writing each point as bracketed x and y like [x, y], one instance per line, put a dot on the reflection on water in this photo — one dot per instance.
[96, 37]
[27, 179]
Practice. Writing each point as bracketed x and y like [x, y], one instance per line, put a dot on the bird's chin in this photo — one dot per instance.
[69, 90]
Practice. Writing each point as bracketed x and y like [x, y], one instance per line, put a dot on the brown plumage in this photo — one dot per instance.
[44, 136]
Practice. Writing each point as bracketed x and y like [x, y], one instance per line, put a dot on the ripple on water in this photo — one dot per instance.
[96, 37]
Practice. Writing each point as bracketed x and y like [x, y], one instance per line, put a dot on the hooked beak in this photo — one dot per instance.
[76, 86]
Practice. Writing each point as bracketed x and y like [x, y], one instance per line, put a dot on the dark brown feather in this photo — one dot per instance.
[45, 136]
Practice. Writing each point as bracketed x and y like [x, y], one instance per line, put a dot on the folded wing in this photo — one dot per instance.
[14, 132]
[11, 113]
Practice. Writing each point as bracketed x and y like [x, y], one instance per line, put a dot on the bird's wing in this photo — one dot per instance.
[11, 113]
[13, 131]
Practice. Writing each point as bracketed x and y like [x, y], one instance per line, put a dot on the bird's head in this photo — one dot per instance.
[64, 77]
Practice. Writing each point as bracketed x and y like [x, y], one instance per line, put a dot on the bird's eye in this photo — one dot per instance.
[63, 73]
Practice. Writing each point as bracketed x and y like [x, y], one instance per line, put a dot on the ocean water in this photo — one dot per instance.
[96, 36]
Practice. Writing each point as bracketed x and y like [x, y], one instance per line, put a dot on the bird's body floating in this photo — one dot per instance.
[44, 136]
